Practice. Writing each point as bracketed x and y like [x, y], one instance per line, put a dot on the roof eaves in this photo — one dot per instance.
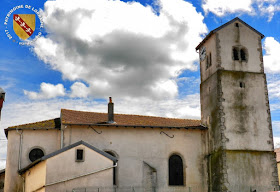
[33, 128]
[140, 126]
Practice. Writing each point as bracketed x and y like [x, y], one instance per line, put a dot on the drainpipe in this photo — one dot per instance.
[62, 136]
[23, 183]
[20, 149]
[110, 111]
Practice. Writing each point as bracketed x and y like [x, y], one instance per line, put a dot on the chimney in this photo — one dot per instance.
[2, 99]
[110, 111]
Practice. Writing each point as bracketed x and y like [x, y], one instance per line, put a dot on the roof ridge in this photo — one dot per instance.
[82, 111]
[134, 115]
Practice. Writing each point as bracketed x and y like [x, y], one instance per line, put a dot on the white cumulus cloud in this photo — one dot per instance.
[271, 57]
[47, 91]
[220, 8]
[121, 49]
[274, 89]
[79, 89]
[268, 7]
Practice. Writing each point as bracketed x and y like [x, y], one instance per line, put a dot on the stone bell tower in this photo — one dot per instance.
[235, 107]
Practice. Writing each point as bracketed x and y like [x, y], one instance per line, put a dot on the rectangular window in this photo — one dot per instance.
[79, 155]
[210, 60]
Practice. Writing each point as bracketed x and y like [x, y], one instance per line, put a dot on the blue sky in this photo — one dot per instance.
[142, 53]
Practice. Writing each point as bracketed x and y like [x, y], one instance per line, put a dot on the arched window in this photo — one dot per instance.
[114, 169]
[176, 173]
[243, 55]
[35, 154]
[235, 54]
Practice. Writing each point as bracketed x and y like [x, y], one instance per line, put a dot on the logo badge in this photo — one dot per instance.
[24, 25]
[27, 24]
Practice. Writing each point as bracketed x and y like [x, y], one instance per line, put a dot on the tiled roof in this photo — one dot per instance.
[277, 151]
[47, 124]
[71, 117]
[93, 118]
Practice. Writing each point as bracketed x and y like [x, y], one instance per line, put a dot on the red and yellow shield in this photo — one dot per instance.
[24, 25]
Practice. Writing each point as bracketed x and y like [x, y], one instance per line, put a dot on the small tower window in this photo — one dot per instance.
[236, 25]
[235, 54]
[176, 172]
[208, 61]
[243, 55]
[242, 84]
[80, 155]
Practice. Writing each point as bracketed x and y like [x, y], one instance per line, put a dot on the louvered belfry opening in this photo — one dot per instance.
[242, 55]
[235, 54]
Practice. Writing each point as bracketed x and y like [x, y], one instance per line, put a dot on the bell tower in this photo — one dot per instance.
[235, 108]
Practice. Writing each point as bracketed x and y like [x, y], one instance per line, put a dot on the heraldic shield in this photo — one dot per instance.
[24, 25]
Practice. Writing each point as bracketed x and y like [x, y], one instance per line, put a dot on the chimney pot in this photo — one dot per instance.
[110, 111]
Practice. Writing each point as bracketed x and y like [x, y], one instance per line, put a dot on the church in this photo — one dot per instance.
[229, 150]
